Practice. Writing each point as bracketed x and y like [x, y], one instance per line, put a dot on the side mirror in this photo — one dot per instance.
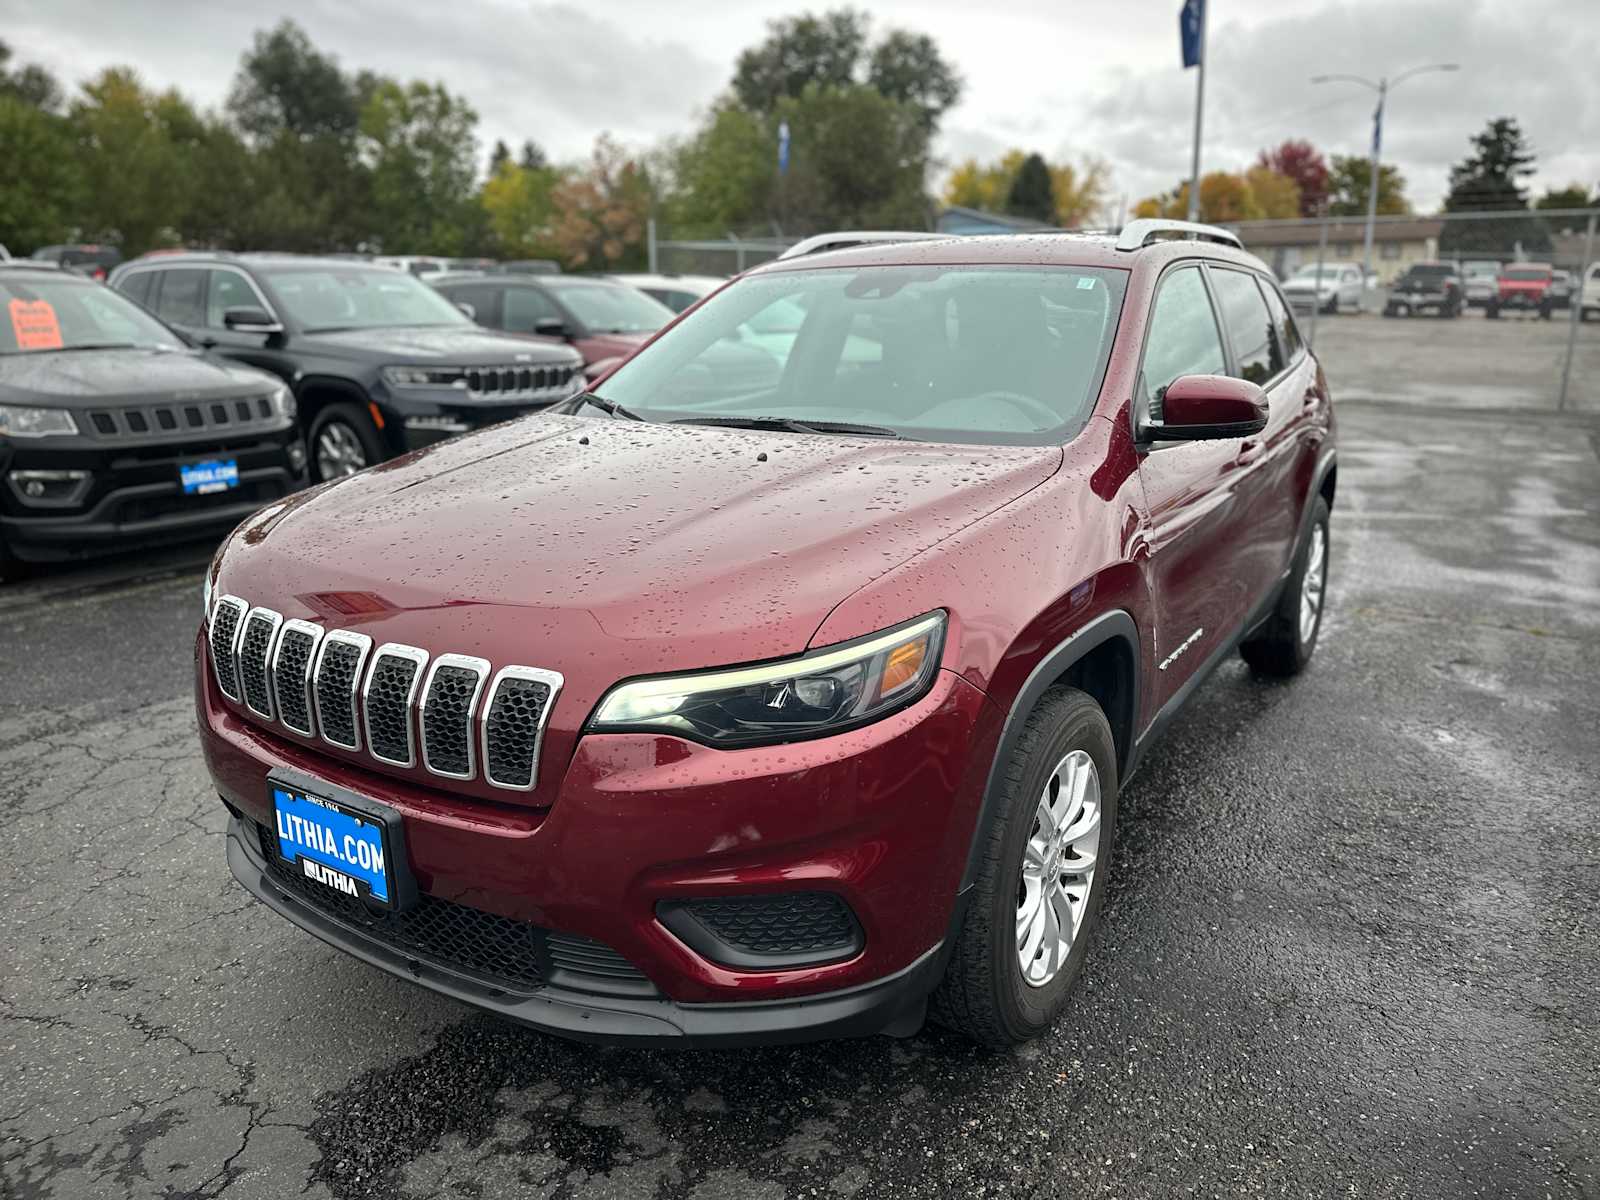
[250, 320]
[550, 327]
[468, 309]
[1208, 407]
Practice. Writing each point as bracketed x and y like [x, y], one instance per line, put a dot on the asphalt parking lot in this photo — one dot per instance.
[1350, 946]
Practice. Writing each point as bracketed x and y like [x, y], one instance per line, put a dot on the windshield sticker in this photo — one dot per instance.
[1085, 282]
[35, 326]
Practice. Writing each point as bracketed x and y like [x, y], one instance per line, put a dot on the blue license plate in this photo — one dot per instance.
[203, 478]
[333, 845]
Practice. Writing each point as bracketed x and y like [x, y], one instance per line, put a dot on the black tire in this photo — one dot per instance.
[1492, 311]
[12, 568]
[351, 431]
[1279, 649]
[983, 994]
[1545, 309]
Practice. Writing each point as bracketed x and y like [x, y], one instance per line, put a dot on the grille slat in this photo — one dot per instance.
[291, 674]
[387, 697]
[254, 656]
[513, 724]
[519, 381]
[224, 633]
[449, 702]
[338, 673]
[249, 412]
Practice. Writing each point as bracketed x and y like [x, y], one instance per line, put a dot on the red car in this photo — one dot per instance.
[1524, 287]
[790, 714]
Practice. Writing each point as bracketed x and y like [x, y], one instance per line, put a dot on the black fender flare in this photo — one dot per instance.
[1118, 623]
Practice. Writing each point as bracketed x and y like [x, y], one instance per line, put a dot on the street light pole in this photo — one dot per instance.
[1382, 87]
[1199, 114]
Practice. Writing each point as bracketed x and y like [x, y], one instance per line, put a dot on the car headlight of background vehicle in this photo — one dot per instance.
[823, 692]
[18, 421]
[410, 377]
[283, 401]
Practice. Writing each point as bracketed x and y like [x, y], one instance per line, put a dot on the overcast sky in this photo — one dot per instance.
[1064, 77]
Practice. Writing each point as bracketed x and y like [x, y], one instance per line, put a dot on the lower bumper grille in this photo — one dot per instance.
[766, 932]
[500, 951]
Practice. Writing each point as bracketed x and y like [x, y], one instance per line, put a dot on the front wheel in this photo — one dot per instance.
[342, 441]
[1284, 645]
[1041, 877]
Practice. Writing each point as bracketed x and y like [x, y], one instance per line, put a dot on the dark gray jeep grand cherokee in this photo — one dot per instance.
[114, 435]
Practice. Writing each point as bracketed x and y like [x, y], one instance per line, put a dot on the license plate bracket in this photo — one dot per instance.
[340, 840]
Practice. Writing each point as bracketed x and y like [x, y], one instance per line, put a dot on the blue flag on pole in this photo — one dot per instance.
[783, 147]
[1189, 31]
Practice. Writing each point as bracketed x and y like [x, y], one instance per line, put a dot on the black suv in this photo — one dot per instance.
[114, 434]
[94, 261]
[1427, 286]
[379, 362]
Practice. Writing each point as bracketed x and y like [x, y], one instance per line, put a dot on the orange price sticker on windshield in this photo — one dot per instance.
[34, 323]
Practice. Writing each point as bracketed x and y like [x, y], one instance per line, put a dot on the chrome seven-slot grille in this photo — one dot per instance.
[517, 381]
[456, 716]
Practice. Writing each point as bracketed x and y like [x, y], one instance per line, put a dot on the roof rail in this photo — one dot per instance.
[844, 239]
[1140, 233]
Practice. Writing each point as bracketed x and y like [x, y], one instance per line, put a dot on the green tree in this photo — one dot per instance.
[498, 157]
[908, 67]
[135, 174]
[1574, 195]
[417, 141]
[31, 84]
[1347, 188]
[1490, 179]
[1079, 190]
[44, 186]
[532, 157]
[800, 51]
[520, 207]
[285, 86]
[723, 176]
[1031, 195]
[857, 160]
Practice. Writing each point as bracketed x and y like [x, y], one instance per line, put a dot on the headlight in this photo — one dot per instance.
[824, 692]
[404, 377]
[283, 401]
[19, 422]
[205, 595]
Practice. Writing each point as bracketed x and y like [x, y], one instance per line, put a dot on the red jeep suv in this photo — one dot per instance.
[677, 714]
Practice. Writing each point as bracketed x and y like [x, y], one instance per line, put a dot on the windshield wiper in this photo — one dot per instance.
[604, 405]
[791, 425]
[91, 346]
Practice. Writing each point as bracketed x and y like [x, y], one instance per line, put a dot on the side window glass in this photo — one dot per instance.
[1183, 337]
[137, 288]
[1288, 337]
[525, 307]
[228, 290]
[182, 299]
[1250, 328]
[479, 297]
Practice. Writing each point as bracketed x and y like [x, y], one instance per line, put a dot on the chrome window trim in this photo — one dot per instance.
[468, 662]
[275, 619]
[363, 645]
[413, 654]
[555, 682]
[315, 633]
[233, 648]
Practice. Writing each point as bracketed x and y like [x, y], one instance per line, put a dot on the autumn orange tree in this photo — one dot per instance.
[600, 210]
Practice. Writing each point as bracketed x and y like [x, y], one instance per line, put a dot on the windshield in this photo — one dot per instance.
[1010, 355]
[43, 311]
[1527, 275]
[1431, 272]
[325, 299]
[611, 307]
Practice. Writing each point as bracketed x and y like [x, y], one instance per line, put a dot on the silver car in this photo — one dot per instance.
[1481, 281]
[1333, 287]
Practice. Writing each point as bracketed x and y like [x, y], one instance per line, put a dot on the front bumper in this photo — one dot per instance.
[133, 498]
[418, 417]
[880, 817]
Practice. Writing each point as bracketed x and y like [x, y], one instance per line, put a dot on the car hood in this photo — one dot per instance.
[1307, 285]
[105, 376]
[605, 548]
[464, 345]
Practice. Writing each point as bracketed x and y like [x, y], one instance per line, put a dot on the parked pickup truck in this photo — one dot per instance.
[1526, 287]
[1424, 286]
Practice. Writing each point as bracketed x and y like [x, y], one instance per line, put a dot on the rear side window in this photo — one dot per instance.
[182, 297]
[1256, 354]
[481, 298]
[1183, 337]
[1288, 337]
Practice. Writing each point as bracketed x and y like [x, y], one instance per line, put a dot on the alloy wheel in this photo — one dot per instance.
[339, 451]
[1313, 582]
[1058, 865]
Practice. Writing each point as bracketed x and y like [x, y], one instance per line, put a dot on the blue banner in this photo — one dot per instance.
[1190, 18]
[783, 147]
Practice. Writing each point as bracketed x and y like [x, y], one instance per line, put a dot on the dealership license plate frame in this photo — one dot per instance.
[385, 822]
[209, 477]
